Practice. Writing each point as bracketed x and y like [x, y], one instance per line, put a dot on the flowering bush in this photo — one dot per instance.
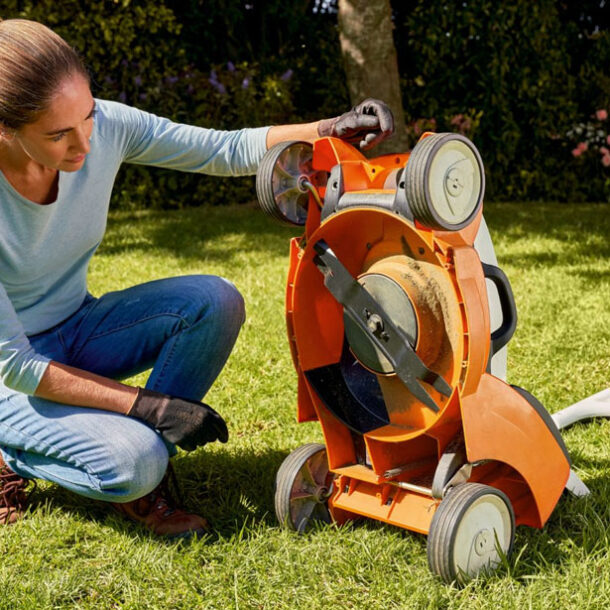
[136, 54]
[228, 96]
[527, 67]
[592, 136]
[465, 123]
[589, 145]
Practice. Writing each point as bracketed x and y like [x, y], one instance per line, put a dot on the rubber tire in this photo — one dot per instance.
[445, 524]
[284, 484]
[416, 182]
[264, 182]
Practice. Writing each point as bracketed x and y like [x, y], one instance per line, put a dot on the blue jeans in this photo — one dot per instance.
[184, 328]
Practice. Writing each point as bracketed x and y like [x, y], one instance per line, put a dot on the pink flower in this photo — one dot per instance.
[577, 152]
[608, 139]
[465, 125]
[601, 115]
[606, 160]
[604, 151]
[582, 146]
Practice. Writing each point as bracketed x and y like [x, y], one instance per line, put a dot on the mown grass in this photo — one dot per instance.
[71, 552]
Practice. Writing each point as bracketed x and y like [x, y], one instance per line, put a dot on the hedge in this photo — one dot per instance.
[527, 81]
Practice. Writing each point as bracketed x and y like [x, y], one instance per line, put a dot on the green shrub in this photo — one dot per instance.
[530, 69]
[134, 52]
[227, 97]
[516, 76]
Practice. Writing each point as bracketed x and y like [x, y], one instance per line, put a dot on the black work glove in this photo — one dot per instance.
[186, 423]
[368, 124]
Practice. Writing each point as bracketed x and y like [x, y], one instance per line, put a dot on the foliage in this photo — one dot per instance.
[276, 34]
[591, 150]
[522, 75]
[133, 49]
[507, 60]
[463, 123]
[226, 97]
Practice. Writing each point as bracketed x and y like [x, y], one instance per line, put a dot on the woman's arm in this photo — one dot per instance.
[187, 423]
[283, 133]
[146, 139]
[28, 372]
[72, 386]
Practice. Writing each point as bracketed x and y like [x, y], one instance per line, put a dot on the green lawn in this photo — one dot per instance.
[72, 552]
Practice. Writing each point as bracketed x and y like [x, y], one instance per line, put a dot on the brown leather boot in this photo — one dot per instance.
[158, 513]
[13, 498]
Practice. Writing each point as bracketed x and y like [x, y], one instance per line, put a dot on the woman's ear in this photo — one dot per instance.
[6, 133]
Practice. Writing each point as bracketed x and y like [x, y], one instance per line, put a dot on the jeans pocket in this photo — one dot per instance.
[60, 338]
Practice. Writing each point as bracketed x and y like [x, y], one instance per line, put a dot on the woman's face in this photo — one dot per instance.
[59, 138]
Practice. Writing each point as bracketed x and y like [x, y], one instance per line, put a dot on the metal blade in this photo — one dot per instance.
[369, 315]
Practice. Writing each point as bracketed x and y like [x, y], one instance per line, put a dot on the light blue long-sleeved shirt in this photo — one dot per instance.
[45, 249]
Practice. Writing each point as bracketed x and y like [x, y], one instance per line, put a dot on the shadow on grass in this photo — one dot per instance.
[222, 232]
[234, 491]
[582, 228]
[213, 233]
[228, 489]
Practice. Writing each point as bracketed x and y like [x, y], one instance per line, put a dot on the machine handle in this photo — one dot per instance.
[385, 201]
[501, 336]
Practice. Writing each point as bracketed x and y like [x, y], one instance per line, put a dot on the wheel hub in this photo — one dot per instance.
[454, 182]
[484, 542]
[322, 494]
[398, 307]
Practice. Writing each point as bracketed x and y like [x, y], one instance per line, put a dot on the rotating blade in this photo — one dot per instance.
[370, 317]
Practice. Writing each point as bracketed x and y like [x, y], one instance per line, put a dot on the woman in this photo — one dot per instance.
[63, 416]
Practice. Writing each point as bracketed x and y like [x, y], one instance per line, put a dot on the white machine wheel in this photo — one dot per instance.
[472, 528]
[281, 179]
[303, 485]
[444, 181]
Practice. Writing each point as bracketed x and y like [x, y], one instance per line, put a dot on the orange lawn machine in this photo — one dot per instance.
[388, 320]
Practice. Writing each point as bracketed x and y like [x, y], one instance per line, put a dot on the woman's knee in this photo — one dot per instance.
[218, 297]
[135, 470]
[232, 300]
[125, 463]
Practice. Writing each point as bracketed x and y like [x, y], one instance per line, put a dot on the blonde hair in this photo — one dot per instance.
[34, 61]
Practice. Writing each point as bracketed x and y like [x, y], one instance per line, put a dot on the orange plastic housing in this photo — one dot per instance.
[506, 439]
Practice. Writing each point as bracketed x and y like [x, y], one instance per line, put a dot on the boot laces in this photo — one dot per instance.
[12, 489]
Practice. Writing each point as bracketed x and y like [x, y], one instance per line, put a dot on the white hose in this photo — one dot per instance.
[597, 405]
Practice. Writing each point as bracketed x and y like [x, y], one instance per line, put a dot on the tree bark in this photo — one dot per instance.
[369, 57]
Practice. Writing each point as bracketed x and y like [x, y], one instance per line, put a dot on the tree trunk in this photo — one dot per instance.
[369, 56]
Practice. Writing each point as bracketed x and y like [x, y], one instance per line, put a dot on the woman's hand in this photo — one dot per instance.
[186, 423]
[367, 124]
